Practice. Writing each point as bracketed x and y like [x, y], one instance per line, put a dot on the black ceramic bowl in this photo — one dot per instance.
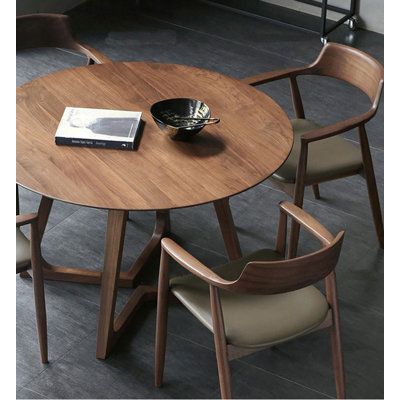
[168, 113]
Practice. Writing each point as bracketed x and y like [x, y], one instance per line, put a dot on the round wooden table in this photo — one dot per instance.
[250, 143]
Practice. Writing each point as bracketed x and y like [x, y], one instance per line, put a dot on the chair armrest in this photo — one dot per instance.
[192, 264]
[25, 219]
[307, 221]
[270, 76]
[337, 128]
[93, 54]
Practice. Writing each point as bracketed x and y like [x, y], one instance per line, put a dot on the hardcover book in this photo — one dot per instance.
[90, 127]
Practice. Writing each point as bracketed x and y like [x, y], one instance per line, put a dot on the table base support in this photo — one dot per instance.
[127, 279]
[141, 295]
[79, 275]
[110, 328]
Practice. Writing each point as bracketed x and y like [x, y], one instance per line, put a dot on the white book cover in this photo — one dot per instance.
[98, 125]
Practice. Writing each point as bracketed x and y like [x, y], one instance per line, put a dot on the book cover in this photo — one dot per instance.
[90, 127]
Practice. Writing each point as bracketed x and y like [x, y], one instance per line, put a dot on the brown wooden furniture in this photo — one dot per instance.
[28, 256]
[257, 301]
[161, 175]
[51, 30]
[318, 154]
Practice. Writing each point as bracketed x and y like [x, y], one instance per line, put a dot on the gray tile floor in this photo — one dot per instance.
[237, 45]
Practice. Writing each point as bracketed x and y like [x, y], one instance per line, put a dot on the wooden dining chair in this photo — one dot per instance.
[258, 301]
[319, 154]
[28, 256]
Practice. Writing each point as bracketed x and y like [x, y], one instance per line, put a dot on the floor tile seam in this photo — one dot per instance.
[59, 222]
[74, 294]
[34, 391]
[283, 378]
[61, 356]
[225, 39]
[212, 349]
[216, 252]
[371, 147]
[71, 52]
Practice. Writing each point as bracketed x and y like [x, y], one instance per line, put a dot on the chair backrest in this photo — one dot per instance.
[284, 276]
[272, 277]
[44, 30]
[352, 66]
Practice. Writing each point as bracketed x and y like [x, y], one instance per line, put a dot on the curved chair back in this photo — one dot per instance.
[284, 276]
[352, 66]
[45, 30]
[272, 277]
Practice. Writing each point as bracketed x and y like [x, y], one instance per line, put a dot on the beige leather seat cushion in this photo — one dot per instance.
[23, 250]
[326, 158]
[254, 320]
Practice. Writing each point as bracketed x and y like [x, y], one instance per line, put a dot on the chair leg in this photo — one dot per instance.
[298, 199]
[223, 371]
[336, 343]
[17, 199]
[38, 288]
[337, 360]
[294, 239]
[295, 226]
[220, 344]
[162, 319]
[371, 184]
[315, 189]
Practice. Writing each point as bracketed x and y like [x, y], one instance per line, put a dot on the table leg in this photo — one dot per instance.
[228, 229]
[114, 244]
[109, 327]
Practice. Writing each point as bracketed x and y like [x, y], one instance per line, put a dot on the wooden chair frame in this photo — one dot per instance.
[362, 71]
[258, 278]
[38, 282]
[53, 30]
